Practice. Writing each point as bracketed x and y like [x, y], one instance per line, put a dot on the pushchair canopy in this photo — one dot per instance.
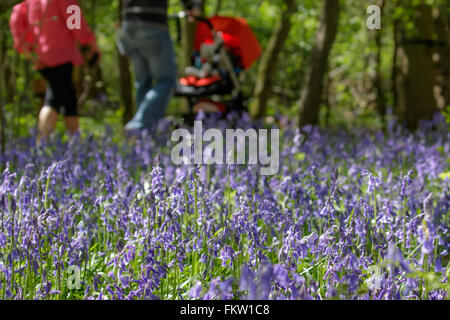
[237, 35]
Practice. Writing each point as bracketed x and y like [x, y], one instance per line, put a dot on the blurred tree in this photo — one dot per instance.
[126, 89]
[268, 65]
[218, 7]
[2, 83]
[5, 5]
[380, 99]
[189, 26]
[88, 79]
[188, 37]
[415, 76]
[311, 96]
[394, 67]
[442, 27]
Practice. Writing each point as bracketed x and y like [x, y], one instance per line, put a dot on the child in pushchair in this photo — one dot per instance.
[223, 48]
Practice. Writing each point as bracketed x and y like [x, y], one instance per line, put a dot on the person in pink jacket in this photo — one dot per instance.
[48, 32]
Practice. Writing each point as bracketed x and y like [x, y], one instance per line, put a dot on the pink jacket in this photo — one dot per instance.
[40, 26]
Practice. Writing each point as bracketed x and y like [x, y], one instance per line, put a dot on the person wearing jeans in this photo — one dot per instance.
[145, 39]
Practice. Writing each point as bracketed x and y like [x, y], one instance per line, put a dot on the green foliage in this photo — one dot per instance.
[447, 114]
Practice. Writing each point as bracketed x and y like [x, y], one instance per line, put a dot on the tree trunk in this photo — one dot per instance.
[187, 44]
[326, 99]
[126, 89]
[312, 91]
[443, 63]
[5, 5]
[394, 70]
[2, 86]
[188, 38]
[380, 100]
[12, 91]
[268, 65]
[88, 79]
[218, 7]
[416, 71]
[6, 73]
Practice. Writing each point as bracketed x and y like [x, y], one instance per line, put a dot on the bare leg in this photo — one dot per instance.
[47, 122]
[72, 124]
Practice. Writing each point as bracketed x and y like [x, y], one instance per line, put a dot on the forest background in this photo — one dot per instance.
[321, 64]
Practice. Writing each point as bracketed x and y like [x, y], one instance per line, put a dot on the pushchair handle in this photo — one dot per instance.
[205, 20]
[182, 14]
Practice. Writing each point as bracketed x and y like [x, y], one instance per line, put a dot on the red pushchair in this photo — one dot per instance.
[224, 48]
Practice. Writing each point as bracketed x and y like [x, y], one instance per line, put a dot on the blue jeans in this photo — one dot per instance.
[152, 54]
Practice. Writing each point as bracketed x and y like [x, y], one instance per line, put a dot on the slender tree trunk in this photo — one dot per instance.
[326, 99]
[126, 89]
[416, 72]
[380, 99]
[89, 80]
[92, 9]
[268, 65]
[443, 63]
[5, 5]
[188, 38]
[6, 74]
[394, 70]
[187, 45]
[12, 91]
[311, 96]
[2, 86]
[218, 7]
[187, 41]
[447, 76]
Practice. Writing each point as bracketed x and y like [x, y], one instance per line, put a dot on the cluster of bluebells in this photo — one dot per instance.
[350, 215]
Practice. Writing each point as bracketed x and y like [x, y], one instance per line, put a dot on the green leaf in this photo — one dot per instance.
[300, 156]
[445, 175]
